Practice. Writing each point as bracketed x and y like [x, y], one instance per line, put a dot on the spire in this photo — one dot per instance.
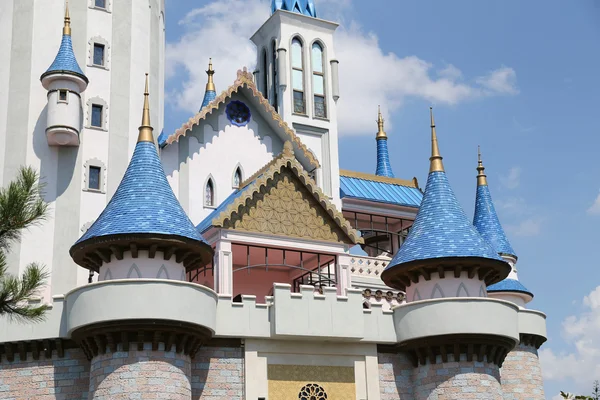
[384, 168]
[435, 159]
[145, 130]
[485, 218]
[67, 27]
[210, 94]
[481, 177]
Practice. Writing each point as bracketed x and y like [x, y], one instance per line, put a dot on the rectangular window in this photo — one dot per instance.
[98, 54]
[320, 109]
[299, 106]
[94, 178]
[96, 116]
[100, 3]
[62, 95]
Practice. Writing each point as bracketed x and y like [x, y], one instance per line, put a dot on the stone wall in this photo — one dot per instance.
[144, 374]
[395, 377]
[218, 374]
[45, 379]
[521, 375]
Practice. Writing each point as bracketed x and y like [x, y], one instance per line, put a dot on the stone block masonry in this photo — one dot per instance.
[395, 377]
[521, 374]
[218, 374]
[45, 379]
[140, 374]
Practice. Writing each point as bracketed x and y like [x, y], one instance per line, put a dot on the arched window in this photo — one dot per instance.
[237, 177]
[275, 79]
[318, 81]
[298, 77]
[265, 75]
[209, 193]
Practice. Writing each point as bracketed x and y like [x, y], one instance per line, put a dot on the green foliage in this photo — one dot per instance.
[21, 207]
[595, 394]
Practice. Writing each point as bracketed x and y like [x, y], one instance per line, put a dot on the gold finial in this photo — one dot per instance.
[481, 177]
[380, 133]
[67, 27]
[210, 85]
[435, 159]
[145, 129]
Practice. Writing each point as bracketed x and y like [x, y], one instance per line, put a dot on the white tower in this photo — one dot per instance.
[298, 73]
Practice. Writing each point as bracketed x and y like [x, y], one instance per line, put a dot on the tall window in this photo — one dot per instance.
[98, 54]
[275, 80]
[298, 77]
[318, 81]
[237, 178]
[265, 75]
[94, 178]
[209, 194]
[96, 116]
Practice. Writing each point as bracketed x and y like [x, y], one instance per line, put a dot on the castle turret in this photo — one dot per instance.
[384, 168]
[65, 81]
[487, 223]
[142, 245]
[210, 92]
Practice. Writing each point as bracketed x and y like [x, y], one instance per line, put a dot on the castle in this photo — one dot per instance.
[233, 259]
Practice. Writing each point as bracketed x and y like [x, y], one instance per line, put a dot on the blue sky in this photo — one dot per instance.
[520, 78]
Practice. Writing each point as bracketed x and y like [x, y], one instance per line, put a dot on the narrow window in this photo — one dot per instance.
[265, 77]
[100, 3]
[318, 81]
[237, 178]
[98, 54]
[96, 116]
[94, 178]
[275, 79]
[62, 95]
[209, 194]
[298, 77]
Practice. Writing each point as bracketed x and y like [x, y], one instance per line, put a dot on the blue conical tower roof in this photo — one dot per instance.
[485, 219]
[442, 233]
[65, 61]
[306, 7]
[144, 211]
[210, 93]
[384, 167]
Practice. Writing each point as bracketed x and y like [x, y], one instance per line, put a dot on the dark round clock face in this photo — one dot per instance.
[238, 113]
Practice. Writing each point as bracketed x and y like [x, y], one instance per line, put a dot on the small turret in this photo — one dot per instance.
[306, 7]
[210, 93]
[384, 168]
[65, 81]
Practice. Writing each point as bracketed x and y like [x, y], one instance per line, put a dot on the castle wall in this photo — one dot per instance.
[521, 375]
[218, 374]
[395, 377]
[45, 379]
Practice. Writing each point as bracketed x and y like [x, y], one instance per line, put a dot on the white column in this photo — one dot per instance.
[343, 275]
[224, 268]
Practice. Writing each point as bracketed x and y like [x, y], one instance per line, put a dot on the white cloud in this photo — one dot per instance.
[217, 31]
[578, 368]
[512, 205]
[512, 179]
[595, 208]
[528, 227]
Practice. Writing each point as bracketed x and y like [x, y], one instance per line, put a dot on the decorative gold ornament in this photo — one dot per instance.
[145, 130]
[435, 159]
[481, 176]
[380, 121]
[210, 85]
[67, 26]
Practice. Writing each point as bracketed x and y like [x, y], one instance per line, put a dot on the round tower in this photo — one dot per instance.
[444, 266]
[65, 81]
[140, 324]
[521, 372]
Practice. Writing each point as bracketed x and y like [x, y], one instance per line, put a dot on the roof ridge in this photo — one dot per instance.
[377, 178]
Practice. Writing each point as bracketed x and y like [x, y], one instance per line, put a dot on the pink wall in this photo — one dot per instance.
[259, 282]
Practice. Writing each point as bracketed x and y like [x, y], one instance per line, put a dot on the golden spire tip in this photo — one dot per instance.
[67, 26]
[435, 161]
[481, 177]
[210, 85]
[145, 130]
[380, 123]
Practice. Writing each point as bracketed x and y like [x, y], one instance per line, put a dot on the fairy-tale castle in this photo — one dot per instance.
[233, 259]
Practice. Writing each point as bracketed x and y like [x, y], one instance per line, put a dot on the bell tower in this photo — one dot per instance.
[298, 73]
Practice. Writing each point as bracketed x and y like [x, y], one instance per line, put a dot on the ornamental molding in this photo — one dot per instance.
[245, 80]
[280, 199]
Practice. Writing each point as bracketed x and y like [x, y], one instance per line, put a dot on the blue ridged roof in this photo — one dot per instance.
[382, 192]
[487, 223]
[65, 61]
[306, 7]
[207, 222]
[384, 168]
[162, 139]
[209, 96]
[509, 285]
[143, 202]
[441, 228]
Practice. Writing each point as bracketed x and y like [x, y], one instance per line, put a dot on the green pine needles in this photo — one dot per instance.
[21, 207]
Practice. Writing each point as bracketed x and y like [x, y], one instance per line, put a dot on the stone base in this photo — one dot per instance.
[521, 374]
